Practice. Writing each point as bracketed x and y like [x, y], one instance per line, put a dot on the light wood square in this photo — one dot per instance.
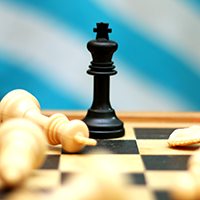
[122, 163]
[161, 180]
[42, 179]
[138, 192]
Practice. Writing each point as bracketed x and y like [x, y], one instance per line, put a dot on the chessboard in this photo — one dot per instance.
[148, 161]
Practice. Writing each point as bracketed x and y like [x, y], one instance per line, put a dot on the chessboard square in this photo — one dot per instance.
[165, 162]
[140, 192]
[162, 195]
[124, 163]
[65, 176]
[42, 179]
[161, 180]
[153, 147]
[153, 133]
[113, 146]
[51, 162]
[160, 147]
[136, 178]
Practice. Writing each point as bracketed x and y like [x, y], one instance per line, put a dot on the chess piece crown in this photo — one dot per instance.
[102, 50]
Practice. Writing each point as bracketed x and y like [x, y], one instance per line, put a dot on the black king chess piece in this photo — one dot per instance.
[101, 118]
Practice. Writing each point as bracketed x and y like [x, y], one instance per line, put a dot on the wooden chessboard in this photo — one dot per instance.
[148, 160]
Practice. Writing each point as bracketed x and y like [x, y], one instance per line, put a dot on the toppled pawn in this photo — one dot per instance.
[73, 135]
[22, 148]
[185, 136]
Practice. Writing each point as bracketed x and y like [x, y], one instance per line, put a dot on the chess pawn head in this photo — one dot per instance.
[73, 135]
[16, 103]
[77, 132]
[22, 148]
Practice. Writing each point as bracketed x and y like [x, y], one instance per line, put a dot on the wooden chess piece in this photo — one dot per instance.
[73, 135]
[101, 118]
[22, 148]
[184, 136]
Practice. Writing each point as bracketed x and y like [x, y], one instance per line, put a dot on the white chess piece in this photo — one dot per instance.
[22, 148]
[73, 135]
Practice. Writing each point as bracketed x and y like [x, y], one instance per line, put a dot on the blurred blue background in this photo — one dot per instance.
[43, 50]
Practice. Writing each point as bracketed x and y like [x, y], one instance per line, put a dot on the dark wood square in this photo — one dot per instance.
[153, 133]
[162, 195]
[136, 178]
[165, 162]
[51, 162]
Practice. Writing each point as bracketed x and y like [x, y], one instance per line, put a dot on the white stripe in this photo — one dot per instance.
[58, 54]
[52, 51]
[133, 92]
[174, 24]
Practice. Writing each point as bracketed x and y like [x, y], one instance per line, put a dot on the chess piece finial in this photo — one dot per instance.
[102, 30]
[73, 135]
[22, 148]
[101, 118]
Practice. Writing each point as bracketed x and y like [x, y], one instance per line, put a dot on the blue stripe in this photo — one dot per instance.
[194, 3]
[11, 77]
[143, 55]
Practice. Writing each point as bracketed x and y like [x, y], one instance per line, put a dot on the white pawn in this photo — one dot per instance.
[22, 148]
[73, 135]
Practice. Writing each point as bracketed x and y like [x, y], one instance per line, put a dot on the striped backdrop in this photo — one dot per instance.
[43, 50]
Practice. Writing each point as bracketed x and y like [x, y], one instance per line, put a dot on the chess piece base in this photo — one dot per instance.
[103, 124]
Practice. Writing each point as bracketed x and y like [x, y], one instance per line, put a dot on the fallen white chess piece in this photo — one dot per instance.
[185, 136]
[73, 135]
[22, 148]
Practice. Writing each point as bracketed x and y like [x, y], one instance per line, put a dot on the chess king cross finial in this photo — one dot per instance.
[102, 30]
